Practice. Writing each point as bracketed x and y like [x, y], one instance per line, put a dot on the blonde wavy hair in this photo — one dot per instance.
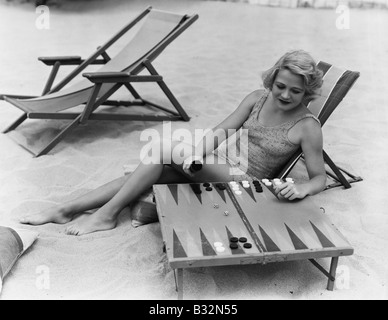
[301, 63]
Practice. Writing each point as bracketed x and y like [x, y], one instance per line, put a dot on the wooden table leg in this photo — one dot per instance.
[180, 284]
[333, 269]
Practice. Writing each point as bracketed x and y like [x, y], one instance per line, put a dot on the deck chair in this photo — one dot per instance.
[337, 83]
[156, 30]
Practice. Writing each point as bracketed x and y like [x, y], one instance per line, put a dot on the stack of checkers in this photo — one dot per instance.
[276, 182]
[196, 187]
[234, 242]
[207, 186]
[236, 186]
[258, 186]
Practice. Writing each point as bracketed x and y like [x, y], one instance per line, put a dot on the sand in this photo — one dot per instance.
[210, 68]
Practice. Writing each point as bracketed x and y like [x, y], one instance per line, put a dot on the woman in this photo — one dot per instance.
[275, 123]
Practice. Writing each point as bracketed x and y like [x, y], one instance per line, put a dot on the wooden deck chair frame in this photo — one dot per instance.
[337, 83]
[118, 78]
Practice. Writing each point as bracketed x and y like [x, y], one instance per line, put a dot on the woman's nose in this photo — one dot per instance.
[286, 94]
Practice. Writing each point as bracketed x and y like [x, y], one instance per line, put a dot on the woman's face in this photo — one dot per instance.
[288, 90]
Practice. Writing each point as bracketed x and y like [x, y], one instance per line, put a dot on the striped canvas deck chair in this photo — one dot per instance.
[337, 83]
[156, 30]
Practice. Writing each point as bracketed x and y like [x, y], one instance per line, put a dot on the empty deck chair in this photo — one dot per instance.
[337, 83]
[157, 29]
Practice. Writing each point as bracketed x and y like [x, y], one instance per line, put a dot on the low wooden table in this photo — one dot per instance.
[199, 220]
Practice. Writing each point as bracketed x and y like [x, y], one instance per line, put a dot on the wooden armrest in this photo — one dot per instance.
[119, 77]
[67, 60]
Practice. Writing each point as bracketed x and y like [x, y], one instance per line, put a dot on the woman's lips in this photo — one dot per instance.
[284, 102]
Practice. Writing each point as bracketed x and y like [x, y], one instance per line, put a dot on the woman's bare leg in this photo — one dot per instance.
[140, 180]
[105, 218]
[63, 213]
[115, 195]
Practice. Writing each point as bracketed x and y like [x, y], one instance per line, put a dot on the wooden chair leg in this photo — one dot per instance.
[14, 125]
[337, 172]
[173, 100]
[132, 90]
[59, 137]
[90, 106]
[50, 80]
[167, 92]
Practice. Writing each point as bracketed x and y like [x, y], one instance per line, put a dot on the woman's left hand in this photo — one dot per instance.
[291, 191]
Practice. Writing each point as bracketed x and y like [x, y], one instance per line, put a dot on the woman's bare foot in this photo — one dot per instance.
[91, 223]
[57, 214]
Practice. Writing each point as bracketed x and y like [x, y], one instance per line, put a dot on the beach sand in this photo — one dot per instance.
[210, 68]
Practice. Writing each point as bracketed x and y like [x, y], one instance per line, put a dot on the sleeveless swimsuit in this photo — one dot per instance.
[256, 151]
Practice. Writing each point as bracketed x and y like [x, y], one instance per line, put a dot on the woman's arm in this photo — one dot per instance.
[229, 125]
[213, 138]
[312, 146]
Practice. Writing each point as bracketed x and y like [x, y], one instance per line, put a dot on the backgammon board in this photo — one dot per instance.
[214, 224]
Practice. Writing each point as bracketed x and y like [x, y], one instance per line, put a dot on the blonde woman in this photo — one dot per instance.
[275, 123]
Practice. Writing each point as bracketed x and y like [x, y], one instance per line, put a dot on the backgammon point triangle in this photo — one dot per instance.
[207, 248]
[298, 244]
[174, 191]
[179, 251]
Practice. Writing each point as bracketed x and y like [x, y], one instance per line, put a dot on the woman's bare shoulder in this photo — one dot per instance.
[252, 98]
[257, 93]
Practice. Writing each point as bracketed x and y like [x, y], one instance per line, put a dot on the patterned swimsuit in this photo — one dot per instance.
[257, 151]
